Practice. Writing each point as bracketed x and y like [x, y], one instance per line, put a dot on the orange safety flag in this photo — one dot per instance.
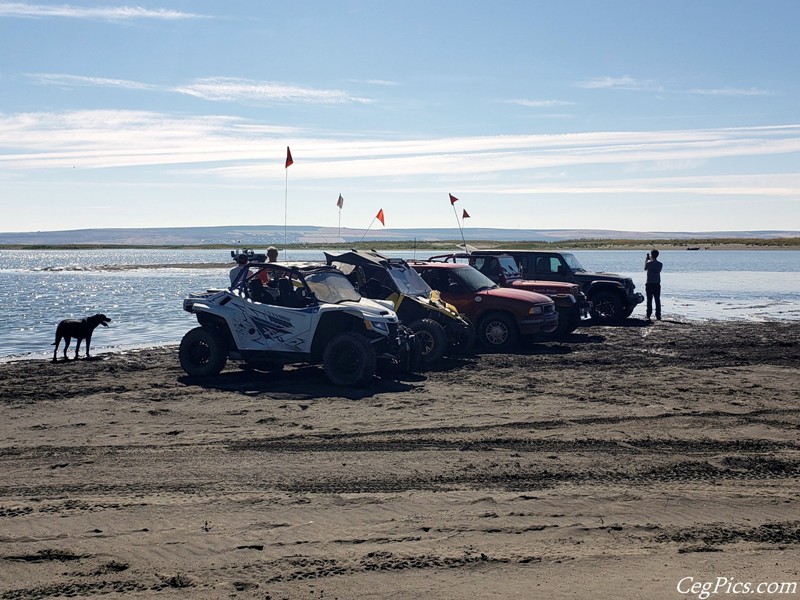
[289, 160]
[340, 201]
[453, 199]
[465, 215]
[379, 216]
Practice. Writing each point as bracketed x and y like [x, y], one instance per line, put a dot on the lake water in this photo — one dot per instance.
[142, 290]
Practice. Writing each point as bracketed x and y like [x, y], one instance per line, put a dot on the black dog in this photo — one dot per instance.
[80, 329]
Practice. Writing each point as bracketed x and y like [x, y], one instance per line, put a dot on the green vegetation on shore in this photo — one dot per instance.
[578, 244]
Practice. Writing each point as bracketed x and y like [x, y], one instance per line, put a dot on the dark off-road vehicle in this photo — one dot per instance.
[437, 325]
[613, 297]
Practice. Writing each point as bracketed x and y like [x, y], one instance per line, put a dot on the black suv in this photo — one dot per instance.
[612, 296]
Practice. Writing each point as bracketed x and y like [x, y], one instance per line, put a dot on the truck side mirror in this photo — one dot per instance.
[562, 270]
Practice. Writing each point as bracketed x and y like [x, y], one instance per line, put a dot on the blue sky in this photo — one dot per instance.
[639, 115]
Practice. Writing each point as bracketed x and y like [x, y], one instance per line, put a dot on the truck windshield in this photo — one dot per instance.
[573, 262]
[408, 281]
[331, 287]
[474, 279]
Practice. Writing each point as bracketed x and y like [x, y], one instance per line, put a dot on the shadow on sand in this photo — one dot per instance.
[301, 382]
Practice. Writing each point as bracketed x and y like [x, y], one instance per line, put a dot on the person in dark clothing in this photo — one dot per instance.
[653, 285]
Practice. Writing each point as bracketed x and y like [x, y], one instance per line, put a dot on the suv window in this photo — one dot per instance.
[489, 266]
[547, 265]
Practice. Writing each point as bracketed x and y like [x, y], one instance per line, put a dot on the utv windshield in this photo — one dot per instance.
[573, 262]
[331, 287]
[474, 279]
[408, 281]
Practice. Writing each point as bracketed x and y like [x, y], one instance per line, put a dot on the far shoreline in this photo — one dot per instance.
[698, 245]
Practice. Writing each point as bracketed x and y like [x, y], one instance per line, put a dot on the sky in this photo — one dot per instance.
[639, 115]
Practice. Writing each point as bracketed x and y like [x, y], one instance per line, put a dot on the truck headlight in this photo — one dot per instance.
[535, 310]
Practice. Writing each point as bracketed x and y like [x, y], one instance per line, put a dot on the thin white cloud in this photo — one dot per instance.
[112, 13]
[63, 80]
[215, 89]
[540, 103]
[648, 85]
[237, 150]
[383, 82]
[245, 90]
[731, 92]
[623, 83]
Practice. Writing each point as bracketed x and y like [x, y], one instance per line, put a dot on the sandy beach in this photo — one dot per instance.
[623, 462]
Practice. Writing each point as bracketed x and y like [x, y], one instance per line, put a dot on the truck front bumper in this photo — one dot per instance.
[544, 324]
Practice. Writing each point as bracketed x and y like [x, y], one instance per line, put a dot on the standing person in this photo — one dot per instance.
[241, 265]
[653, 285]
[272, 254]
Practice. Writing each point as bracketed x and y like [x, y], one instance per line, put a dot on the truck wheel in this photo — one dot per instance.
[432, 339]
[349, 359]
[607, 307]
[202, 353]
[498, 332]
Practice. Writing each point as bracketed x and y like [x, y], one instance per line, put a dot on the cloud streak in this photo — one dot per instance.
[237, 150]
[111, 13]
[62, 80]
[244, 90]
[632, 84]
[214, 89]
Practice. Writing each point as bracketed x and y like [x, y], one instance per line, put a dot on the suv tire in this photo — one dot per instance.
[202, 353]
[349, 359]
[498, 332]
[607, 308]
[567, 323]
[432, 339]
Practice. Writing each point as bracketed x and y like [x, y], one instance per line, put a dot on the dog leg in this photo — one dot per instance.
[67, 340]
[78, 348]
[88, 343]
[55, 351]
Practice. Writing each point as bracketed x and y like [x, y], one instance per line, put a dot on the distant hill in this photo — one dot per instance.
[264, 235]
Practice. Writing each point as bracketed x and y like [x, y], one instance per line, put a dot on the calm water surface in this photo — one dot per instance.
[39, 288]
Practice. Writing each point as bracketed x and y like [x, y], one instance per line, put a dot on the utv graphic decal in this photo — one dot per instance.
[272, 326]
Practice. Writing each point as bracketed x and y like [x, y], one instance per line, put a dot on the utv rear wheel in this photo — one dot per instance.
[202, 353]
[498, 332]
[349, 359]
[607, 307]
[432, 339]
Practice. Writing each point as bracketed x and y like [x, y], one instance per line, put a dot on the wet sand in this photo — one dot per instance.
[613, 464]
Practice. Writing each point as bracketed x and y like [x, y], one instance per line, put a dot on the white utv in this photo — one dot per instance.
[275, 314]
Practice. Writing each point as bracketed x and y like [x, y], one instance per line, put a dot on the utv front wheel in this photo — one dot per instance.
[202, 353]
[462, 337]
[349, 359]
[432, 339]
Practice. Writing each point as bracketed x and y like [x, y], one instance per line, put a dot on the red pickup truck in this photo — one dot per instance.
[500, 315]
[571, 303]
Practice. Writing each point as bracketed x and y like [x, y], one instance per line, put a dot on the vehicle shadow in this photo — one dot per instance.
[629, 322]
[304, 382]
[576, 337]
